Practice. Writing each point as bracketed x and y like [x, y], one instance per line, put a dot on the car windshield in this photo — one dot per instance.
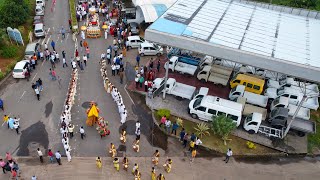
[39, 31]
[17, 70]
[29, 53]
[197, 102]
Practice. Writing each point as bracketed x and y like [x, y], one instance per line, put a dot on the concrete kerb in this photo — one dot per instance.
[5, 78]
[280, 154]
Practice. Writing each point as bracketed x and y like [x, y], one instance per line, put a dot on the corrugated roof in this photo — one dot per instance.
[243, 26]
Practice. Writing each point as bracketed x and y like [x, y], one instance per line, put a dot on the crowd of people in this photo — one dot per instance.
[10, 165]
[12, 122]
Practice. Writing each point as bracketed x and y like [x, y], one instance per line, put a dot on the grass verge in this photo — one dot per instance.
[72, 5]
[238, 145]
[314, 139]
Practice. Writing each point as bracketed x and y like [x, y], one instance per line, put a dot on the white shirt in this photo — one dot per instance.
[57, 56]
[108, 51]
[45, 46]
[40, 153]
[137, 125]
[198, 142]
[58, 155]
[113, 67]
[168, 123]
[81, 130]
[103, 56]
[123, 117]
[85, 58]
[74, 64]
[63, 60]
[34, 178]
[229, 153]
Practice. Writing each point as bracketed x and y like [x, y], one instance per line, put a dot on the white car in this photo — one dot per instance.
[150, 49]
[19, 69]
[40, 3]
[134, 41]
[39, 10]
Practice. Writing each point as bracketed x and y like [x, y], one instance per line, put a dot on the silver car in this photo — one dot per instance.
[39, 10]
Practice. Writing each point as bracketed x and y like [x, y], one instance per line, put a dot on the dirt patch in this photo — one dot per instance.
[4, 63]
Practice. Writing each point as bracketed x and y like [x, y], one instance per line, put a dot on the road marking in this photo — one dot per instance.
[48, 39]
[34, 77]
[128, 94]
[22, 96]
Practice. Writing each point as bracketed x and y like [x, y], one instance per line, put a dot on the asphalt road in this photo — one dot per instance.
[39, 119]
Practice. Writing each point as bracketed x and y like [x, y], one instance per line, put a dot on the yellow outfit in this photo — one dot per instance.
[153, 175]
[116, 165]
[98, 163]
[136, 146]
[194, 153]
[155, 158]
[123, 137]
[192, 144]
[114, 153]
[125, 164]
[5, 119]
[137, 176]
[135, 168]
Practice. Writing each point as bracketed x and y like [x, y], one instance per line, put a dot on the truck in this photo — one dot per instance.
[180, 90]
[215, 73]
[278, 121]
[295, 96]
[251, 98]
[184, 68]
[249, 109]
[262, 73]
[304, 113]
[291, 82]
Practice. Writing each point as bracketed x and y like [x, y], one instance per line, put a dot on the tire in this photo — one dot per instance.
[251, 131]
[142, 54]
[194, 116]
[203, 80]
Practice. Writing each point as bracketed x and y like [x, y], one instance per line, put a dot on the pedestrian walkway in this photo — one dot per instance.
[204, 169]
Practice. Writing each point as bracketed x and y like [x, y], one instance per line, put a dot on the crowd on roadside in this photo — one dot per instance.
[10, 165]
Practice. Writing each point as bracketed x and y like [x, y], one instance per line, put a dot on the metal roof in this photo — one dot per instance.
[272, 37]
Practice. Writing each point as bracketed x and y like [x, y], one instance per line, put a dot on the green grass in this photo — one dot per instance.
[314, 139]
[73, 13]
[292, 3]
[214, 142]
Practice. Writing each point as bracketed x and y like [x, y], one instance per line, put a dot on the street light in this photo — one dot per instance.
[166, 78]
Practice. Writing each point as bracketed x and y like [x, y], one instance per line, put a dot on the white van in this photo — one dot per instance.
[206, 107]
[39, 30]
[19, 69]
[150, 49]
[134, 41]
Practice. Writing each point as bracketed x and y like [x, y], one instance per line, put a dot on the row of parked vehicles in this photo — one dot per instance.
[263, 101]
[38, 20]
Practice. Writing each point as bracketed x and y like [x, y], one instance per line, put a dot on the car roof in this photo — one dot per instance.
[38, 26]
[20, 64]
[133, 37]
[31, 47]
[144, 44]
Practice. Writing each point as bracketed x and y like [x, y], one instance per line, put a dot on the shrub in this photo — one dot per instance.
[179, 122]
[202, 129]
[9, 51]
[73, 16]
[163, 112]
[223, 126]
[251, 145]
[13, 13]
[1, 75]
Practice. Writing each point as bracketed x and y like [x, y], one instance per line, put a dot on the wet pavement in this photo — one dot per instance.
[48, 109]
[33, 137]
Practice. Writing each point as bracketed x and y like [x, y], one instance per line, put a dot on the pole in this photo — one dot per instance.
[166, 78]
[304, 98]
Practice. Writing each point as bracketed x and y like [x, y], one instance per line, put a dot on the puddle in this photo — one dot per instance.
[32, 138]
[48, 110]
[86, 104]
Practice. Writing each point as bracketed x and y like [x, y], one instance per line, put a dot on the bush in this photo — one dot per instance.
[223, 126]
[9, 51]
[13, 13]
[163, 112]
[73, 13]
[2, 75]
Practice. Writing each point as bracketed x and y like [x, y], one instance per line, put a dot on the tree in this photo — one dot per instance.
[13, 13]
[223, 126]
[202, 129]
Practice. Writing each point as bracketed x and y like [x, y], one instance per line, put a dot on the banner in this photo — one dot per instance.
[15, 35]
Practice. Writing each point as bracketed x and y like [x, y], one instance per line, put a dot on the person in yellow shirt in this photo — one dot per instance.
[161, 177]
[6, 119]
[193, 154]
[98, 162]
[137, 175]
[125, 163]
[116, 164]
[112, 150]
[167, 165]
[123, 137]
[191, 145]
[153, 174]
[155, 158]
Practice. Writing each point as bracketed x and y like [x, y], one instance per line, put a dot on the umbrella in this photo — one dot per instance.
[104, 26]
[83, 28]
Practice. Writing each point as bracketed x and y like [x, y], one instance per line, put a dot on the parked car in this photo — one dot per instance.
[39, 30]
[40, 3]
[134, 41]
[135, 30]
[31, 49]
[20, 68]
[37, 20]
[147, 48]
[39, 10]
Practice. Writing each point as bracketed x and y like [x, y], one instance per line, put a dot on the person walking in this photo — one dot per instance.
[36, 90]
[121, 74]
[40, 84]
[3, 166]
[85, 59]
[198, 142]
[185, 140]
[6, 119]
[175, 126]
[168, 125]
[98, 162]
[40, 155]
[82, 132]
[81, 66]
[193, 154]
[50, 154]
[153, 174]
[146, 86]
[228, 155]
[138, 60]
[109, 57]
[78, 60]
[138, 132]
[163, 120]
[64, 62]
[76, 53]
[63, 33]
[85, 44]
[63, 54]
[58, 157]
[54, 74]
[141, 80]
[125, 163]
[53, 45]
[68, 154]
[158, 65]
[70, 130]
[113, 69]
[16, 127]
[116, 164]
[81, 46]
[88, 52]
